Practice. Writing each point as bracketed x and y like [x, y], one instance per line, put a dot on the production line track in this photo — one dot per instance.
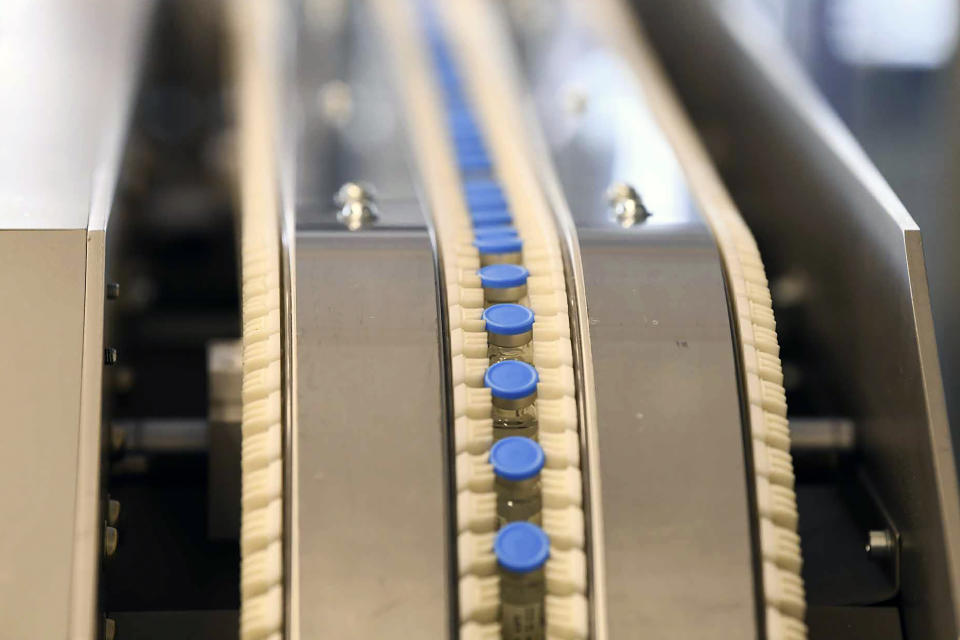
[449, 70]
[262, 422]
[444, 123]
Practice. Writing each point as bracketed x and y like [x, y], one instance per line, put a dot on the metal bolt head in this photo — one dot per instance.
[113, 290]
[626, 205]
[357, 204]
[880, 544]
[110, 356]
[355, 192]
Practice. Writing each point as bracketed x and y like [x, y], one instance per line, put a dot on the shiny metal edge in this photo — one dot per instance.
[287, 136]
[88, 541]
[586, 386]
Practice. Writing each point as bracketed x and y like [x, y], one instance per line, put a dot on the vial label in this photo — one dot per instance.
[522, 621]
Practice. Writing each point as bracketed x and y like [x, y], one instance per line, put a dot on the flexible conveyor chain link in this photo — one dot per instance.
[261, 527]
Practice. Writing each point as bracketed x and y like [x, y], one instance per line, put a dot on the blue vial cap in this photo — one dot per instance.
[502, 276]
[438, 47]
[469, 145]
[467, 137]
[497, 217]
[511, 379]
[457, 106]
[498, 244]
[452, 89]
[494, 230]
[516, 458]
[521, 547]
[485, 200]
[508, 319]
[474, 160]
[444, 67]
[481, 185]
[461, 120]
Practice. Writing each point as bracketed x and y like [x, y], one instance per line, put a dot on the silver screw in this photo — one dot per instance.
[626, 205]
[880, 543]
[110, 540]
[358, 208]
[110, 355]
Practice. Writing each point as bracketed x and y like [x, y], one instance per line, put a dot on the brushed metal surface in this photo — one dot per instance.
[371, 488]
[675, 505]
[839, 229]
[41, 280]
[372, 480]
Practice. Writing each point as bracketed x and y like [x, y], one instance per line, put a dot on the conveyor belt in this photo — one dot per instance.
[449, 159]
[450, 88]
[261, 535]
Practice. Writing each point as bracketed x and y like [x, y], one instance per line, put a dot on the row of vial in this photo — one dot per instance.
[519, 548]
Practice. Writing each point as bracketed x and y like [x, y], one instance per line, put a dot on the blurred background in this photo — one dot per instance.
[889, 70]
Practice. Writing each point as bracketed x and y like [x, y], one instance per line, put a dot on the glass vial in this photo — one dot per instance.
[522, 550]
[516, 463]
[499, 250]
[513, 387]
[503, 283]
[509, 332]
